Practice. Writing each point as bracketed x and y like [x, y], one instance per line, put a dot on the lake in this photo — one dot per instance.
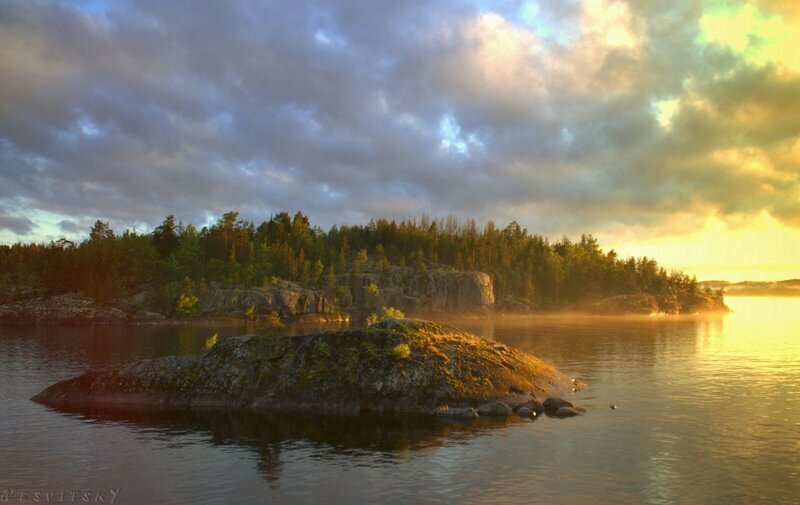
[708, 411]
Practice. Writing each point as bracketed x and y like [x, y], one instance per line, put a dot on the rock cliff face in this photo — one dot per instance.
[402, 288]
[433, 291]
[286, 298]
[395, 365]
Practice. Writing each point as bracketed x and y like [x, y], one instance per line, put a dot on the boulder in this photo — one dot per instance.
[494, 409]
[456, 413]
[551, 405]
[526, 412]
[516, 400]
[569, 411]
[533, 406]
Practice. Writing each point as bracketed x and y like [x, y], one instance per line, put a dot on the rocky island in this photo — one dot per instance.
[397, 365]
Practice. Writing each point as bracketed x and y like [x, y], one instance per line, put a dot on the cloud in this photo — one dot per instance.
[19, 225]
[551, 113]
[70, 227]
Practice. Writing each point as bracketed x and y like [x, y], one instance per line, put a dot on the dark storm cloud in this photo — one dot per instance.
[71, 227]
[131, 111]
[19, 225]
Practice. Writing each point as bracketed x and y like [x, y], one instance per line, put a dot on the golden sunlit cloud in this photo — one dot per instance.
[756, 36]
[751, 161]
[609, 22]
[504, 56]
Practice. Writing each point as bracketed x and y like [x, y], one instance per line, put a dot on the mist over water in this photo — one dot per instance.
[708, 412]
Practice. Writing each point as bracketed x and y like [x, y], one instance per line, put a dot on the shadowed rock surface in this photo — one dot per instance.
[402, 288]
[399, 287]
[63, 309]
[431, 291]
[393, 366]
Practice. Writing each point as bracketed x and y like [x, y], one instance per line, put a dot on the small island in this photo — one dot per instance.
[394, 366]
[785, 288]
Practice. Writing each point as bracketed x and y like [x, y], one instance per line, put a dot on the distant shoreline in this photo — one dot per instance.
[789, 288]
[442, 317]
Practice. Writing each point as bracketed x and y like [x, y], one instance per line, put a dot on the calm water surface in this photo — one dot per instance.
[709, 412]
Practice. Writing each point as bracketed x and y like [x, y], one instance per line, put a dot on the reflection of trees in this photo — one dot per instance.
[392, 437]
[95, 346]
[98, 346]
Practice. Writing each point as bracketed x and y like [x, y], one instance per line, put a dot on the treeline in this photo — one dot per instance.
[178, 258]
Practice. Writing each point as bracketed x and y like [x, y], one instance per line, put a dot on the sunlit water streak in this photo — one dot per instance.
[709, 412]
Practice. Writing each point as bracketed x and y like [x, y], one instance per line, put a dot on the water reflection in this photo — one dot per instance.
[82, 347]
[581, 342]
[709, 412]
[380, 440]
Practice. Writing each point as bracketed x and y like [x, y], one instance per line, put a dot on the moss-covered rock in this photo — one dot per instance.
[352, 370]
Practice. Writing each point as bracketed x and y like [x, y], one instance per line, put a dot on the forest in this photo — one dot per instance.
[178, 258]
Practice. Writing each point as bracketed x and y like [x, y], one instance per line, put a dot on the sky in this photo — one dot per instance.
[666, 129]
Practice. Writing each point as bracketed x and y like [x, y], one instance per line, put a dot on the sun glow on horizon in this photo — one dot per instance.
[760, 250]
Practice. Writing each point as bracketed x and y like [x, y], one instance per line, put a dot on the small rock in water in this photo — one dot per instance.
[516, 401]
[496, 408]
[551, 405]
[525, 412]
[613, 407]
[568, 412]
[456, 413]
[533, 405]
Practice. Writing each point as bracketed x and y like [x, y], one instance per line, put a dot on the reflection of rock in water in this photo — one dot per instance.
[358, 436]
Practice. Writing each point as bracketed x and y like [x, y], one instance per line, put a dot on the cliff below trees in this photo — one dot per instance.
[410, 290]
[415, 291]
[403, 288]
